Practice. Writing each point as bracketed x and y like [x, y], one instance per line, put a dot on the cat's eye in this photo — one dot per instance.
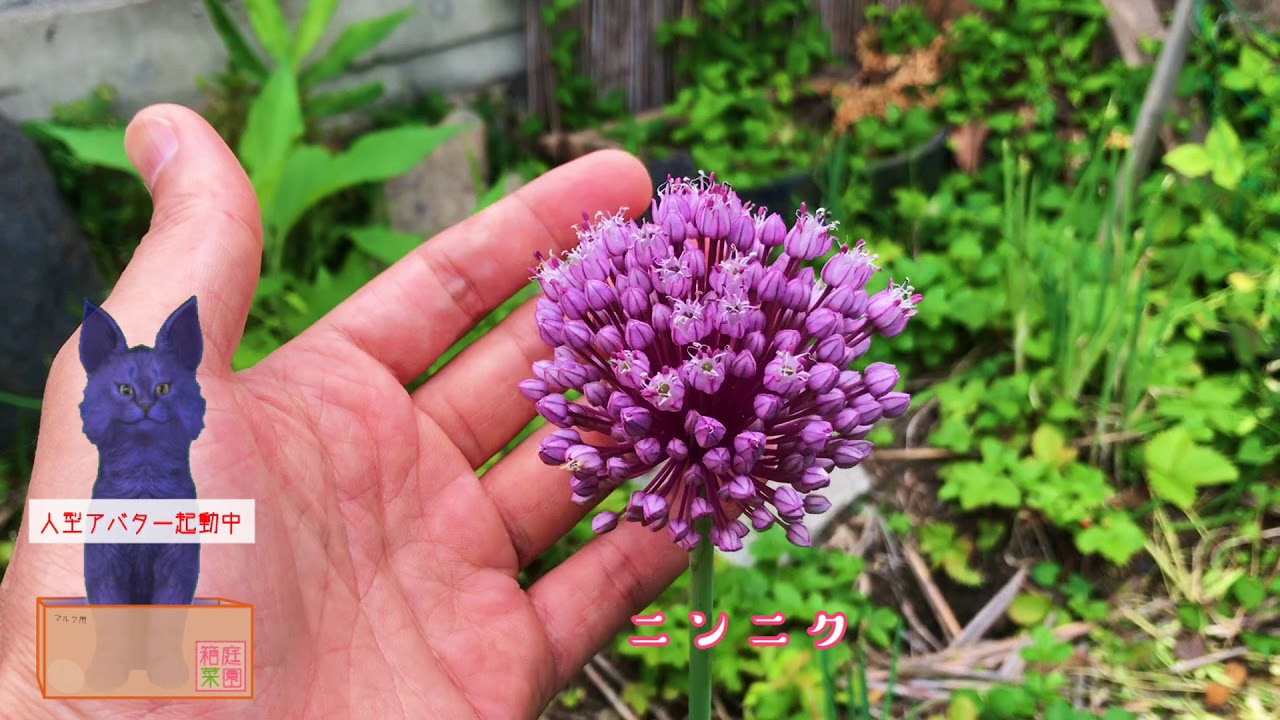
[126, 390]
[162, 389]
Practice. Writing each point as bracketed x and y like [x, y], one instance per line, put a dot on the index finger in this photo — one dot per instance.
[410, 314]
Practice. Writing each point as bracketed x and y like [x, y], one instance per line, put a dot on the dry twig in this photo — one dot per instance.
[938, 603]
[1186, 666]
[991, 612]
[609, 694]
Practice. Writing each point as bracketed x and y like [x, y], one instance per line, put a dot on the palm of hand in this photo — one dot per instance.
[384, 570]
[403, 572]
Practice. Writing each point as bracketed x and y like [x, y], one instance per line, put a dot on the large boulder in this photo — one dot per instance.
[440, 191]
[46, 270]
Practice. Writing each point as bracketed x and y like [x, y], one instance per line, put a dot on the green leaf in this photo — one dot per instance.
[962, 707]
[1223, 145]
[356, 40]
[1115, 537]
[956, 566]
[312, 174]
[383, 243]
[237, 46]
[1005, 701]
[1045, 648]
[103, 147]
[1191, 160]
[273, 125]
[1045, 574]
[1176, 466]
[1049, 446]
[1249, 592]
[977, 485]
[311, 27]
[1029, 608]
[272, 30]
[1253, 451]
[342, 101]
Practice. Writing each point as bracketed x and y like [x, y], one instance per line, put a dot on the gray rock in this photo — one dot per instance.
[45, 273]
[440, 191]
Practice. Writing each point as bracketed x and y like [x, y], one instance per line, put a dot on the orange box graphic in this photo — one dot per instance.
[198, 651]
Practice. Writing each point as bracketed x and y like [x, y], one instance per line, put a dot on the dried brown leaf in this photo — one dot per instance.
[1236, 673]
[966, 144]
[1216, 696]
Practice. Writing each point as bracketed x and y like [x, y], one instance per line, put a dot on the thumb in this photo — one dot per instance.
[205, 237]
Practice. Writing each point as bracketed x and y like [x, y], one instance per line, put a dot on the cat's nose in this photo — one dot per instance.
[145, 407]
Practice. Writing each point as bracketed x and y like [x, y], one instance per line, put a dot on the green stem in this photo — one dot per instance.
[829, 685]
[701, 561]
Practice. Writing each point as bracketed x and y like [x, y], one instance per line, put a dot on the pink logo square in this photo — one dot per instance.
[221, 666]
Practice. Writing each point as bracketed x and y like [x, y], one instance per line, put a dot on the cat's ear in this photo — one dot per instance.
[180, 335]
[99, 337]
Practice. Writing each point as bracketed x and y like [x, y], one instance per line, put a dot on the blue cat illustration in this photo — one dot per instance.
[142, 409]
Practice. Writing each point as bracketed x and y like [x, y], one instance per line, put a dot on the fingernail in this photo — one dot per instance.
[150, 143]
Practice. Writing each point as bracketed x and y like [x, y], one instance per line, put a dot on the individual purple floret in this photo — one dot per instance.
[710, 350]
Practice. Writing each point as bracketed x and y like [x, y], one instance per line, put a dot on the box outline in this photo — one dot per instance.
[42, 652]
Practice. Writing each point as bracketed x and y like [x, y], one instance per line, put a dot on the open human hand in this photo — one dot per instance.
[384, 571]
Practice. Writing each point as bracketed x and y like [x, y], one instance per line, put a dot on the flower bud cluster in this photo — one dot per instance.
[707, 347]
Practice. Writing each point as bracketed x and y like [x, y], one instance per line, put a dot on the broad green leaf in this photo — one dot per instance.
[1029, 608]
[311, 27]
[272, 30]
[1045, 574]
[1254, 62]
[305, 181]
[956, 565]
[1045, 649]
[1249, 592]
[383, 243]
[341, 101]
[1115, 537]
[977, 485]
[311, 173]
[273, 125]
[103, 147]
[1191, 160]
[385, 154]
[1223, 145]
[356, 40]
[1049, 446]
[962, 707]
[237, 46]
[1177, 466]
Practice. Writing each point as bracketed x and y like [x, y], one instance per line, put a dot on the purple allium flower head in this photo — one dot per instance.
[713, 346]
